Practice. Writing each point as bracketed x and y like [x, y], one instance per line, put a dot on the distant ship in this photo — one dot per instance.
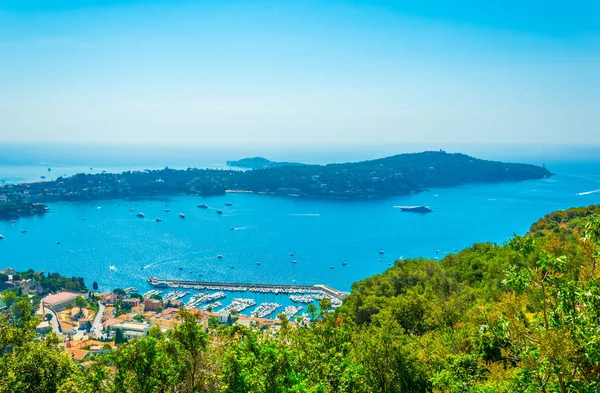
[43, 177]
[219, 212]
[158, 219]
[113, 268]
[140, 215]
[203, 206]
[49, 169]
[344, 263]
[381, 252]
[415, 209]
[1, 237]
[181, 215]
[228, 204]
[258, 263]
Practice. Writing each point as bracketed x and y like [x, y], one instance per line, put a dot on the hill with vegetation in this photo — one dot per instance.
[259, 163]
[519, 317]
[375, 179]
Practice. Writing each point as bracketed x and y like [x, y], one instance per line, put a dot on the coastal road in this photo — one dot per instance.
[53, 321]
[97, 326]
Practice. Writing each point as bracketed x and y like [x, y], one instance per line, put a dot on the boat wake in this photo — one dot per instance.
[113, 268]
[587, 192]
[304, 215]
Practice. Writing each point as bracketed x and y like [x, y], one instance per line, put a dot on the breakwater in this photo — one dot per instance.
[243, 287]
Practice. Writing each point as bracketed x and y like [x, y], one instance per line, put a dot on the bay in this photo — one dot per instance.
[266, 229]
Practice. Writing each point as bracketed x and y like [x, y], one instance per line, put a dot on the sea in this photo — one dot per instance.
[335, 243]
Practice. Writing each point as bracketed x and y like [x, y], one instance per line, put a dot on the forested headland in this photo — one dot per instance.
[375, 179]
[518, 317]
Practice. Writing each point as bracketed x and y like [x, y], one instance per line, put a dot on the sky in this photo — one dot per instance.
[300, 73]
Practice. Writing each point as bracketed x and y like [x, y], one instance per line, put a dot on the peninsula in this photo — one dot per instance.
[375, 179]
[259, 163]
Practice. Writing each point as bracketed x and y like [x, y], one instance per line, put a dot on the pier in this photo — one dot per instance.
[243, 287]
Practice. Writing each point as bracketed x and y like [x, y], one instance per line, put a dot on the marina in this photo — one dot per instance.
[276, 289]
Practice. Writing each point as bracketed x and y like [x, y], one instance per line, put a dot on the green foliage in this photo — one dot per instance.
[9, 298]
[119, 337]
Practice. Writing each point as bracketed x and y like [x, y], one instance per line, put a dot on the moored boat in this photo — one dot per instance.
[415, 209]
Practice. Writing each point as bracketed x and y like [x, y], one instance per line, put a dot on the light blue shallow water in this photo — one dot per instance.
[319, 233]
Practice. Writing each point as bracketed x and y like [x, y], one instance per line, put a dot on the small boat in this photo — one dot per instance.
[220, 256]
[1, 237]
[291, 254]
[344, 263]
[131, 209]
[23, 231]
[437, 251]
[228, 204]
[456, 250]
[140, 215]
[381, 252]
[167, 210]
[191, 271]
[200, 275]
[294, 261]
[49, 169]
[219, 211]
[231, 267]
[159, 220]
[68, 250]
[113, 268]
[57, 242]
[233, 229]
[83, 219]
[258, 263]
[180, 268]
[331, 267]
[203, 206]
[181, 215]
[42, 177]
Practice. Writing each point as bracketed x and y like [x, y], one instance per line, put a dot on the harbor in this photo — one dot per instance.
[276, 289]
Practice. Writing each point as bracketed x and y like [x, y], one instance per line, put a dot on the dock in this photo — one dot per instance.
[243, 287]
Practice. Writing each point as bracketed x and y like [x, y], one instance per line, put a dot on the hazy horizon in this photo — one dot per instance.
[300, 74]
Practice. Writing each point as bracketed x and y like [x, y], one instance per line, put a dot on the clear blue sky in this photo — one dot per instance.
[300, 72]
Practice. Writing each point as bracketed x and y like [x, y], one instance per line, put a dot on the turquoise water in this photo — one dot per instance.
[267, 229]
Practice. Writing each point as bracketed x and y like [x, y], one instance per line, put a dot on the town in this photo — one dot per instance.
[89, 322]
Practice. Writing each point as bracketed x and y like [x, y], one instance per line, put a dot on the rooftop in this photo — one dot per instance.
[60, 297]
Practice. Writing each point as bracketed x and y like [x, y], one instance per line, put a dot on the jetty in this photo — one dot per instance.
[245, 287]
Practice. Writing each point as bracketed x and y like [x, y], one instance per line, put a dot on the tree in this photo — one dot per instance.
[37, 366]
[80, 302]
[95, 286]
[119, 292]
[156, 332]
[148, 365]
[49, 317]
[193, 341]
[9, 298]
[119, 337]
[3, 277]
[312, 311]
[283, 320]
